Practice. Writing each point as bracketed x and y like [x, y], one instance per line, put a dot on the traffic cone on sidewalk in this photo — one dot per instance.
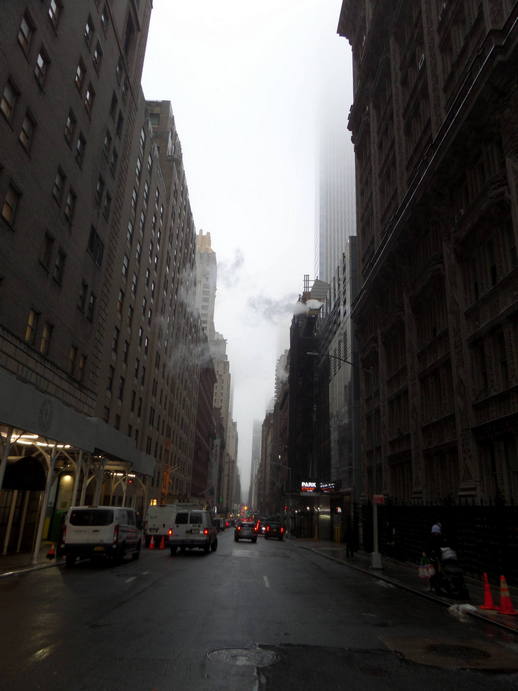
[152, 543]
[506, 605]
[51, 554]
[488, 598]
[162, 543]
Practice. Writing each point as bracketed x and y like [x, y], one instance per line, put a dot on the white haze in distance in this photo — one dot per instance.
[246, 81]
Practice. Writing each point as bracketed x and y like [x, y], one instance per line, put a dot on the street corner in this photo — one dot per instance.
[448, 653]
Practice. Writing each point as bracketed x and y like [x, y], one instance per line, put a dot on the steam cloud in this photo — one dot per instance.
[272, 310]
[228, 272]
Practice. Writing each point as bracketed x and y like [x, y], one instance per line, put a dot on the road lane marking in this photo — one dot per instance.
[266, 581]
[131, 578]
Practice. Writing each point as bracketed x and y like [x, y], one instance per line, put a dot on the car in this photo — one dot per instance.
[274, 529]
[193, 529]
[245, 530]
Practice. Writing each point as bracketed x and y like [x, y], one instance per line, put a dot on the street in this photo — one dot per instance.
[265, 616]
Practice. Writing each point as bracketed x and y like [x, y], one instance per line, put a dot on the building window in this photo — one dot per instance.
[95, 246]
[10, 205]
[106, 413]
[107, 205]
[120, 301]
[81, 369]
[72, 359]
[70, 205]
[133, 397]
[8, 101]
[113, 106]
[55, 10]
[99, 190]
[111, 376]
[88, 32]
[104, 17]
[137, 368]
[138, 169]
[134, 197]
[97, 57]
[139, 410]
[80, 150]
[149, 163]
[81, 303]
[26, 135]
[125, 266]
[41, 67]
[120, 125]
[125, 352]
[138, 251]
[31, 327]
[46, 251]
[59, 266]
[134, 283]
[113, 161]
[89, 98]
[142, 140]
[115, 339]
[80, 75]
[25, 32]
[130, 315]
[46, 336]
[121, 388]
[59, 186]
[70, 127]
[107, 144]
[91, 307]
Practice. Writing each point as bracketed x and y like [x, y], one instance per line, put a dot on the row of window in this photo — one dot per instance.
[39, 334]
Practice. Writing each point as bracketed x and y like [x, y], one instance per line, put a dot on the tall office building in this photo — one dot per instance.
[434, 125]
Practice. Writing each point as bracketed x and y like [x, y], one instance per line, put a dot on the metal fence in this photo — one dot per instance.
[485, 536]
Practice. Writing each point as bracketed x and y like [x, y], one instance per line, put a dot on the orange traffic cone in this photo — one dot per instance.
[506, 606]
[152, 543]
[51, 554]
[162, 543]
[488, 598]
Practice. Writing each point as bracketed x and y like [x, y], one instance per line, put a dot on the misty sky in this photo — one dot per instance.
[248, 84]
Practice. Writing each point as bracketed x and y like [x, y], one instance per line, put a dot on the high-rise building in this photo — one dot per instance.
[254, 466]
[206, 279]
[69, 99]
[434, 125]
[101, 349]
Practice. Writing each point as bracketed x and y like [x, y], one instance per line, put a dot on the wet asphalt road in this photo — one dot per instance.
[267, 616]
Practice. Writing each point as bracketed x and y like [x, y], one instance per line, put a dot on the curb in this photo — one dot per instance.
[28, 569]
[410, 589]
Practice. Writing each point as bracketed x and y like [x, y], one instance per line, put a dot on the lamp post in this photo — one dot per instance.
[376, 560]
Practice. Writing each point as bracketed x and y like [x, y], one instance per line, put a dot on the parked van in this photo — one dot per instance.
[193, 528]
[100, 531]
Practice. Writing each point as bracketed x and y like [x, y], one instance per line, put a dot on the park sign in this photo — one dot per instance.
[308, 487]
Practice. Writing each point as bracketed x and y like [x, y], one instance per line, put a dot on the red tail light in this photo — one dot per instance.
[282, 530]
[239, 527]
[116, 534]
[205, 532]
[169, 532]
[268, 528]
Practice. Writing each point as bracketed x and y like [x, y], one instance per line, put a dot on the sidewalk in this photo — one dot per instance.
[13, 564]
[404, 575]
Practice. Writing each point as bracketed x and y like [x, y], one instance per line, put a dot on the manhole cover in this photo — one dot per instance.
[254, 657]
[456, 651]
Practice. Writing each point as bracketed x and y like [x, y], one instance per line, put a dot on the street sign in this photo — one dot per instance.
[378, 498]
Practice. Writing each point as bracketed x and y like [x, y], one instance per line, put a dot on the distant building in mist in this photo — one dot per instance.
[206, 280]
[335, 186]
[254, 465]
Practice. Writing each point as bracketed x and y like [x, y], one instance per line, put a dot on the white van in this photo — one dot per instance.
[193, 528]
[100, 531]
[160, 521]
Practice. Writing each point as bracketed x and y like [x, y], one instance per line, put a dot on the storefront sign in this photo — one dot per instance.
[308, 487]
